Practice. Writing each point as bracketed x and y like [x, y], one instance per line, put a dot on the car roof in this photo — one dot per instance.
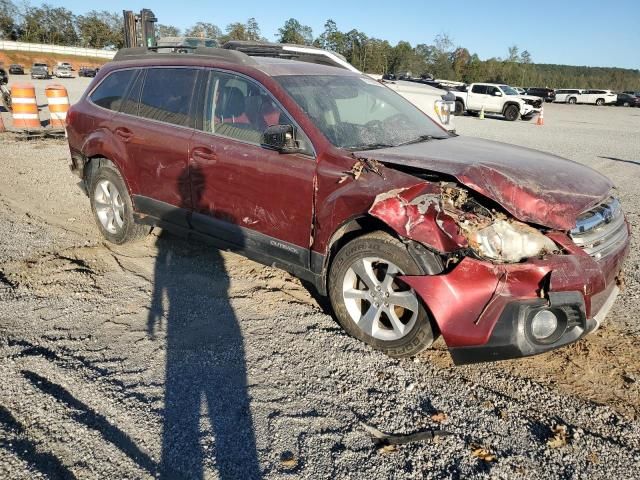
[216, 57]
[277, 67]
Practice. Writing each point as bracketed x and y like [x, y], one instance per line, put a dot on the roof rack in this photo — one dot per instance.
[143, 53]
[290, 51]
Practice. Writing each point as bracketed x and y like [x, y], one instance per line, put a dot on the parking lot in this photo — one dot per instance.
[97, 382]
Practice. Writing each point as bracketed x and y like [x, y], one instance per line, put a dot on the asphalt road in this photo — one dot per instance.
[172, 359]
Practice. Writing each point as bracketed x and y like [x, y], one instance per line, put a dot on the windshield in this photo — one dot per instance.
[358, 113]
[509, 90]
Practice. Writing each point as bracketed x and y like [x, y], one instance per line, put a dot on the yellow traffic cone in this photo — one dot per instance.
[481, 117]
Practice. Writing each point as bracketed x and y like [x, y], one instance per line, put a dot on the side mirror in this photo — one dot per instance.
[280, 138]
[497, 93]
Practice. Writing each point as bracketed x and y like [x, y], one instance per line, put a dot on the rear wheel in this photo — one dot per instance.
[626, 104]
[112, 207]
[600, 102]
[511, 113]
[371, 303]
[572, 100]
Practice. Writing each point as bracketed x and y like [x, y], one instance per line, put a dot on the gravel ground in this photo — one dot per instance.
[171, 359]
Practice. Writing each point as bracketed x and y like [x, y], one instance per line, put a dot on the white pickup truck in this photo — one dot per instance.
[496, 98]
[593, 97]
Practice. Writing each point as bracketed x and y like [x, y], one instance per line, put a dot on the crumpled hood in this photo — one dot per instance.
[533, 186]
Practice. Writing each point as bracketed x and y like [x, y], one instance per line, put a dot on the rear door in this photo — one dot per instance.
[254, 199]
[154, 128]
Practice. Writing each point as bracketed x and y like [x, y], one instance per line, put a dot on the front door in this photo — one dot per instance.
[256, 200]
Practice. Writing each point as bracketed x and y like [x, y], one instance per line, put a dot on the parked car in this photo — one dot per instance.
[520, 90]
[62, 72]
[598, 97]
[635, 93]
[496, 98]
[87, 72]
[547, 94]
[626, 100]
[568, 95]
[16, 69]
[40, 70]
[593, 97]
[411, 231]
[435, 102]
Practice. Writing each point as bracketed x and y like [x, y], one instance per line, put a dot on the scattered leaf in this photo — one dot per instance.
[288, 460]
[388, 449]
[560, 436]
[593, 458]
[482, 453]
[439, 417]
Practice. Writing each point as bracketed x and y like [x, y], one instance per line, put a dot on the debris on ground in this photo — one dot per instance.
[384, 439]
[560, 436]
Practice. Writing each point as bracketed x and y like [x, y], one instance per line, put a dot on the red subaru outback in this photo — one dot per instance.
[411, 231]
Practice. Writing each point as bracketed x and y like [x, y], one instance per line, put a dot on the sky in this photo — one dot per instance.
[587, 32]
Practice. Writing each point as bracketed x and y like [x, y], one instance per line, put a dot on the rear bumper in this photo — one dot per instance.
[484, 311]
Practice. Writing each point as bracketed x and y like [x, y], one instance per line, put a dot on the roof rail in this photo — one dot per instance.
[141, 53]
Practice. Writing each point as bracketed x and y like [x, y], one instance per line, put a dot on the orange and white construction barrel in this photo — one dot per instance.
[25, 106]
[58, 101]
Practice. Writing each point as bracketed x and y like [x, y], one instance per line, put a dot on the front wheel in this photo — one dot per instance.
[371, 303]
[112, 207]
[599, 102]
[459, 111]
[572, 101]
[511, 113]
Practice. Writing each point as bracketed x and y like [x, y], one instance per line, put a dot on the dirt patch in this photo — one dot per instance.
[29, 58]
[602, 368]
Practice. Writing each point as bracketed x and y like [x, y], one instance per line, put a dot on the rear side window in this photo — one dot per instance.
[479, 89]
[112, 89]
[130, 103]
[166, 95]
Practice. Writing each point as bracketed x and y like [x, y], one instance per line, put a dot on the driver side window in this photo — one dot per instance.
[240, 109]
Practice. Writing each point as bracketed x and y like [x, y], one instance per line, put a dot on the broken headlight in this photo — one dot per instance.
[510, 241]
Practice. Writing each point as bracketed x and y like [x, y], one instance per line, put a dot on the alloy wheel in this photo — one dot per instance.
[377, 303]
[109, 206]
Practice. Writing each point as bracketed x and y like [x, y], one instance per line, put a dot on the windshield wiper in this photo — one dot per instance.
[371, 146]
[420, 139]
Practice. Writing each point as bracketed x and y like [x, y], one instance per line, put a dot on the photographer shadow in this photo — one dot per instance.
[206, 375]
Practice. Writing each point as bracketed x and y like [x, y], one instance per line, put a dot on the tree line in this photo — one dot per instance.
[441, 58]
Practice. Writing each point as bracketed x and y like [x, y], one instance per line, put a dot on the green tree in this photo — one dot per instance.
[99, 30]
[167, 31]
[253, 30]
[294, 32]
[8, 22]
[203, 29]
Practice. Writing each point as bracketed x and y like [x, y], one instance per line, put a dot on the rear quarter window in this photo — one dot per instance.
[479, 89]
[112, 89]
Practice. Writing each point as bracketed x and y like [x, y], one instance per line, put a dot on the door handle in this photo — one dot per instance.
[203, 153]
[124, 133]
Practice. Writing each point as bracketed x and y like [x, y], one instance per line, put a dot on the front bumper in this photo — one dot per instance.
[484, 310]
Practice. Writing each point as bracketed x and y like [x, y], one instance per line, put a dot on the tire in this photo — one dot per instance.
[599, 102]
[511, 113]
[527, 118]
[459, 111]
[376, 253]
[111, 204]
[572, 100]
[626, 104]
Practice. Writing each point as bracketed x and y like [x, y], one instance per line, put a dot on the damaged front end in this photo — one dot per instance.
[508, 290]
